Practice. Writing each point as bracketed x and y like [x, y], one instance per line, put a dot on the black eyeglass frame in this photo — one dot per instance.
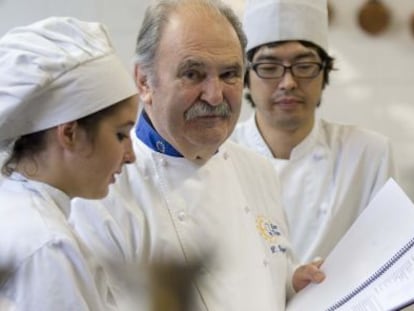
[254, 66]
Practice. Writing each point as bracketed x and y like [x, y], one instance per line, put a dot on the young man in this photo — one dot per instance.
[328, 172]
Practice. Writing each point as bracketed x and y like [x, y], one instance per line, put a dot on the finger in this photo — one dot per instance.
[318, 261]
[316, 274]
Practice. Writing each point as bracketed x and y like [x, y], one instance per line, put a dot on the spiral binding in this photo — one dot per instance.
[374, 276]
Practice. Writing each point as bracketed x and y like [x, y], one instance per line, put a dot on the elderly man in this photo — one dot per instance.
[190, 192]
[328, 172]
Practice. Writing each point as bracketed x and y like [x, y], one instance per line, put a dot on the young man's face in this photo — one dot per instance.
[287, 103]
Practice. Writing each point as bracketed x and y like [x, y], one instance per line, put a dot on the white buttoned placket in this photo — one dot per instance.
[178, 218]
[178, 212]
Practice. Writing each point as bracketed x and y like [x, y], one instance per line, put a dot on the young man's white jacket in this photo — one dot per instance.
[329, 179]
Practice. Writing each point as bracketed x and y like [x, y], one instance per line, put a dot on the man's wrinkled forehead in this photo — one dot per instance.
[215, 64]
[184, 36]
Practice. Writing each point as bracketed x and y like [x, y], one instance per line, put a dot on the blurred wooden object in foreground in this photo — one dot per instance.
[172, 286]
[3, 275]
[166, 286]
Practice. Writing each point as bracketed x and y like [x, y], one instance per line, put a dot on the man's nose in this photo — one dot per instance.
[213, 91]
[287, 81]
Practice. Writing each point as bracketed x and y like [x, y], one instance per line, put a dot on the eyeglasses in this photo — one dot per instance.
[307, 70]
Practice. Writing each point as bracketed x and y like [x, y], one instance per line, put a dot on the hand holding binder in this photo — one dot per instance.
[372, 267]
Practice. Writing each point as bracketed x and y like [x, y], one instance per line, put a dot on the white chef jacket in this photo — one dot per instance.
[169, 207]
[49, 268]
[330, 178]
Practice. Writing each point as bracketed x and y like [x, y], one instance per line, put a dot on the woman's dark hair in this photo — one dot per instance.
[327, 61]
[31, 144]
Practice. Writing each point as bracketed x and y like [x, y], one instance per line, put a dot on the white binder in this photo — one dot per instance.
[372, 267]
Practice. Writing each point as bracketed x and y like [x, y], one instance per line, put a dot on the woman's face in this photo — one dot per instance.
[102, 156]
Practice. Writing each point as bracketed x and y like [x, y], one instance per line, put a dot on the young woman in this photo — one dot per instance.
[67, 106]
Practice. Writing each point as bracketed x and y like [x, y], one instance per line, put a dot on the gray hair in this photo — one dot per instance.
[155, 19]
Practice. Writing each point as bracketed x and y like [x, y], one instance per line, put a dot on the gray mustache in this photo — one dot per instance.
[202, 109]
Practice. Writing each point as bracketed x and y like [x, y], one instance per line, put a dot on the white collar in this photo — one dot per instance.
[48, 192]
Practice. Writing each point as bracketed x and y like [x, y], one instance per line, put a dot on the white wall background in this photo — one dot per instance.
[372, 88]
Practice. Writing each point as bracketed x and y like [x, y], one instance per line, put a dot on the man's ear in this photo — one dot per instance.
[67, 134]
[144, 89]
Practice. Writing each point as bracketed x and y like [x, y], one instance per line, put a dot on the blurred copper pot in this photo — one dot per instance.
[412, 23]
[374, 17]
[331, 12]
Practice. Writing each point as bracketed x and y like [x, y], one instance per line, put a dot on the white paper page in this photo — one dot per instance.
[394, 289]
[385, 226]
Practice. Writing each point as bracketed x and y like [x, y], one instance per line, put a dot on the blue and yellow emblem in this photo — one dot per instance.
[271, 233]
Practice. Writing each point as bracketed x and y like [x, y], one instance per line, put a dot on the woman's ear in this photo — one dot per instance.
[144, 88]
[67, 134]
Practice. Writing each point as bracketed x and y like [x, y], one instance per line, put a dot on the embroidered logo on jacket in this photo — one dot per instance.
[271, 233]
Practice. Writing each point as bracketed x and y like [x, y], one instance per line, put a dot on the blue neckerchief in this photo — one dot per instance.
[149, 136]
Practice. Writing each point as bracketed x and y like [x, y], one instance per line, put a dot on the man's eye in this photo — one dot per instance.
[269, 68]
[231, 75]
[304, 66]
[192, 75]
